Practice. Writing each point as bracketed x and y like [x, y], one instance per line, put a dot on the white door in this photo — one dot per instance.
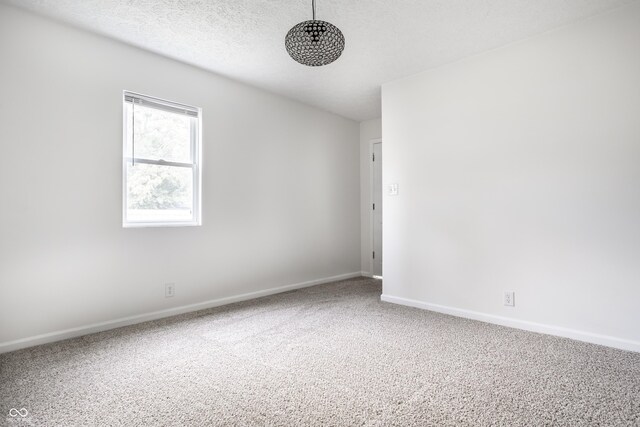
[376, 207]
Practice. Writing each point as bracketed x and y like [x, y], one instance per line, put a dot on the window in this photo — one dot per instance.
[161, 163]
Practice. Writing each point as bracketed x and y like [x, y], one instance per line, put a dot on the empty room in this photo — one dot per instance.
[319, 213]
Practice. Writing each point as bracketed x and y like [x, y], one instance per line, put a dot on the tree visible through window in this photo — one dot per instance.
[161, 162]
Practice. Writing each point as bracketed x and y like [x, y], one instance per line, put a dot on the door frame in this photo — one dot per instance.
[371, 224]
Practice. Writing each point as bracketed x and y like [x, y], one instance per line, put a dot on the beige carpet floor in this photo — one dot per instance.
[329, 355]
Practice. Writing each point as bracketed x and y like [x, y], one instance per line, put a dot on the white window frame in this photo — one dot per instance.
[195, 114]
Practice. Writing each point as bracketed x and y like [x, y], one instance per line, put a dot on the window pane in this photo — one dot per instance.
[159, 135]
[159, 193]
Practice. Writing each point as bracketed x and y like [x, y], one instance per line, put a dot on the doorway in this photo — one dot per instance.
[376, 208]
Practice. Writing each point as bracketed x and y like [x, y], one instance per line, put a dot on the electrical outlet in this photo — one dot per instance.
[169, 290]
[509, 299]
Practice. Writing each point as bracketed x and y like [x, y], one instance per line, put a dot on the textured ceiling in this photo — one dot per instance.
[385, 39]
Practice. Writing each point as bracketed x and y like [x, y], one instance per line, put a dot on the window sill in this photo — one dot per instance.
[160, 224]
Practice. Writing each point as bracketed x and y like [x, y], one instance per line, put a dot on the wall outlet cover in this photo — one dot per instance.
[169, 290]
[509, 298]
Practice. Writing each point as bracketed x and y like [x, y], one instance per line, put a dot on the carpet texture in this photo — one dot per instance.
[327, 355]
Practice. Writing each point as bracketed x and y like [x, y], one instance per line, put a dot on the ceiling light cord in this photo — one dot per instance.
[313, 6]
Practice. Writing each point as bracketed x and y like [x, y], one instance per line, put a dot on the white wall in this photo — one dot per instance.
[280, 185]
[369, 129]
[519, 169]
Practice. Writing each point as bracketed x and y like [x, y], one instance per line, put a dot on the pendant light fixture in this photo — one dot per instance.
[314, 43]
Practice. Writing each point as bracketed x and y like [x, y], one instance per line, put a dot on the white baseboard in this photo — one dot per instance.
[589, 337]
[366, 274]
[139, 318]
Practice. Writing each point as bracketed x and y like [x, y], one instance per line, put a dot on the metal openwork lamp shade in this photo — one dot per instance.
[314, 43]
